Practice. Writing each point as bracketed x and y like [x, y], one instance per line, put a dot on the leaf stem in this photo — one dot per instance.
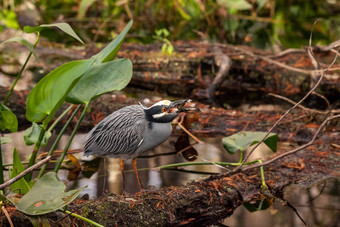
[60, 161]
[82, 218]
[55, 143]
[33, 157]
[21, 71]
[263, 180]
[1, 166]
[194, 164]
[59, 118]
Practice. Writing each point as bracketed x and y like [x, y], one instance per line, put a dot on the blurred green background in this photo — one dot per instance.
[259, 23]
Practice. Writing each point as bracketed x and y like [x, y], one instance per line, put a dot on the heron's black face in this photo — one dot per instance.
[164, 111]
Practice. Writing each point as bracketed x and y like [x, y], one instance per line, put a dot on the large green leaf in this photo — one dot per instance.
[8, 120]
[106, 77]
[62, 26]
[49, 94]
[111, 50]
[47, 195]
[243, 140]
[20, 184]
[23, 42]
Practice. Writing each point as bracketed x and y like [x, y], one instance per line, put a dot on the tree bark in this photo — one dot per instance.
[208, 201]
[193, 66]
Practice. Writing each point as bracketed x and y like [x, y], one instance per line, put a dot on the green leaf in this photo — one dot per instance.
[49, 94]
[170, 49]
[47, 195]
[100, 79]
[111, 50]
[62, 26]
[8, 120]
[20, 184]
[164, 46]
[31, 135]
[84, 5]
[243, 140]
[5, 139]
[24, 42]
[2, 197]
[39, 221]
[10, 18]
[235, 4]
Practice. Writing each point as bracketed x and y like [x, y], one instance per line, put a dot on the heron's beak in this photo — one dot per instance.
[179, 104]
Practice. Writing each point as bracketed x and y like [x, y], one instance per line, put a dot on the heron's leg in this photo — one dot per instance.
[134, 165]
[122, 172]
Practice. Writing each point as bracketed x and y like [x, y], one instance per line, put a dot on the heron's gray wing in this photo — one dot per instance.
[118, 134]
[116, 142]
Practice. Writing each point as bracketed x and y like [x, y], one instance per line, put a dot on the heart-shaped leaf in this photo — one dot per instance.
[47, 195]
[62, 26]
[8, 120]
[49, 94]
[242, 140]
[100, 79]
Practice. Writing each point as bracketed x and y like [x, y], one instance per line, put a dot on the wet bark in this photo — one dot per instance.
[209, 201]
[194, 66]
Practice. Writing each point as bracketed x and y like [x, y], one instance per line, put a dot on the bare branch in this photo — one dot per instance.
[22, 174]
[291, 151]
[303, 107]
[316, 64]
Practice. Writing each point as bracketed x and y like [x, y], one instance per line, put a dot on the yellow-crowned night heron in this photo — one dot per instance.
[133, 130]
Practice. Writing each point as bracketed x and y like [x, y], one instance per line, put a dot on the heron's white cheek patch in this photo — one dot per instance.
[162, 103]
[158, 115]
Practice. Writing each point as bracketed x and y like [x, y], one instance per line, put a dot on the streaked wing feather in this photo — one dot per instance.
[119, 133]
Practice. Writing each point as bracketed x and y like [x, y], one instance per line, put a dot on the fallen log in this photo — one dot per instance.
[205, 202]
[192, 69]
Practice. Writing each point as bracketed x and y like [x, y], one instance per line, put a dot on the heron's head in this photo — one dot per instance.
[164, 111]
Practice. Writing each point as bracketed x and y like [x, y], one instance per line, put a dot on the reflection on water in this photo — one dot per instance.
[324, 210]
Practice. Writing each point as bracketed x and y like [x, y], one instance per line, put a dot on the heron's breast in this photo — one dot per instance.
[155, 134]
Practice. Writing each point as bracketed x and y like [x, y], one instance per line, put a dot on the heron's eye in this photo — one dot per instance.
[164, 109]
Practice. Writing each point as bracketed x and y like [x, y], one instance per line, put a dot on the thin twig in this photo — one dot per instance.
[324, 98]
[335, 145]
[187, 132]
[238, 170]
[291, 151]
[310, 54]
[25, 172]
[186, 148]
[303, 107]
[7, 216]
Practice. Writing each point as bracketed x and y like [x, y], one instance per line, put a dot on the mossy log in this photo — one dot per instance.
[193, 66]
[205, 202]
